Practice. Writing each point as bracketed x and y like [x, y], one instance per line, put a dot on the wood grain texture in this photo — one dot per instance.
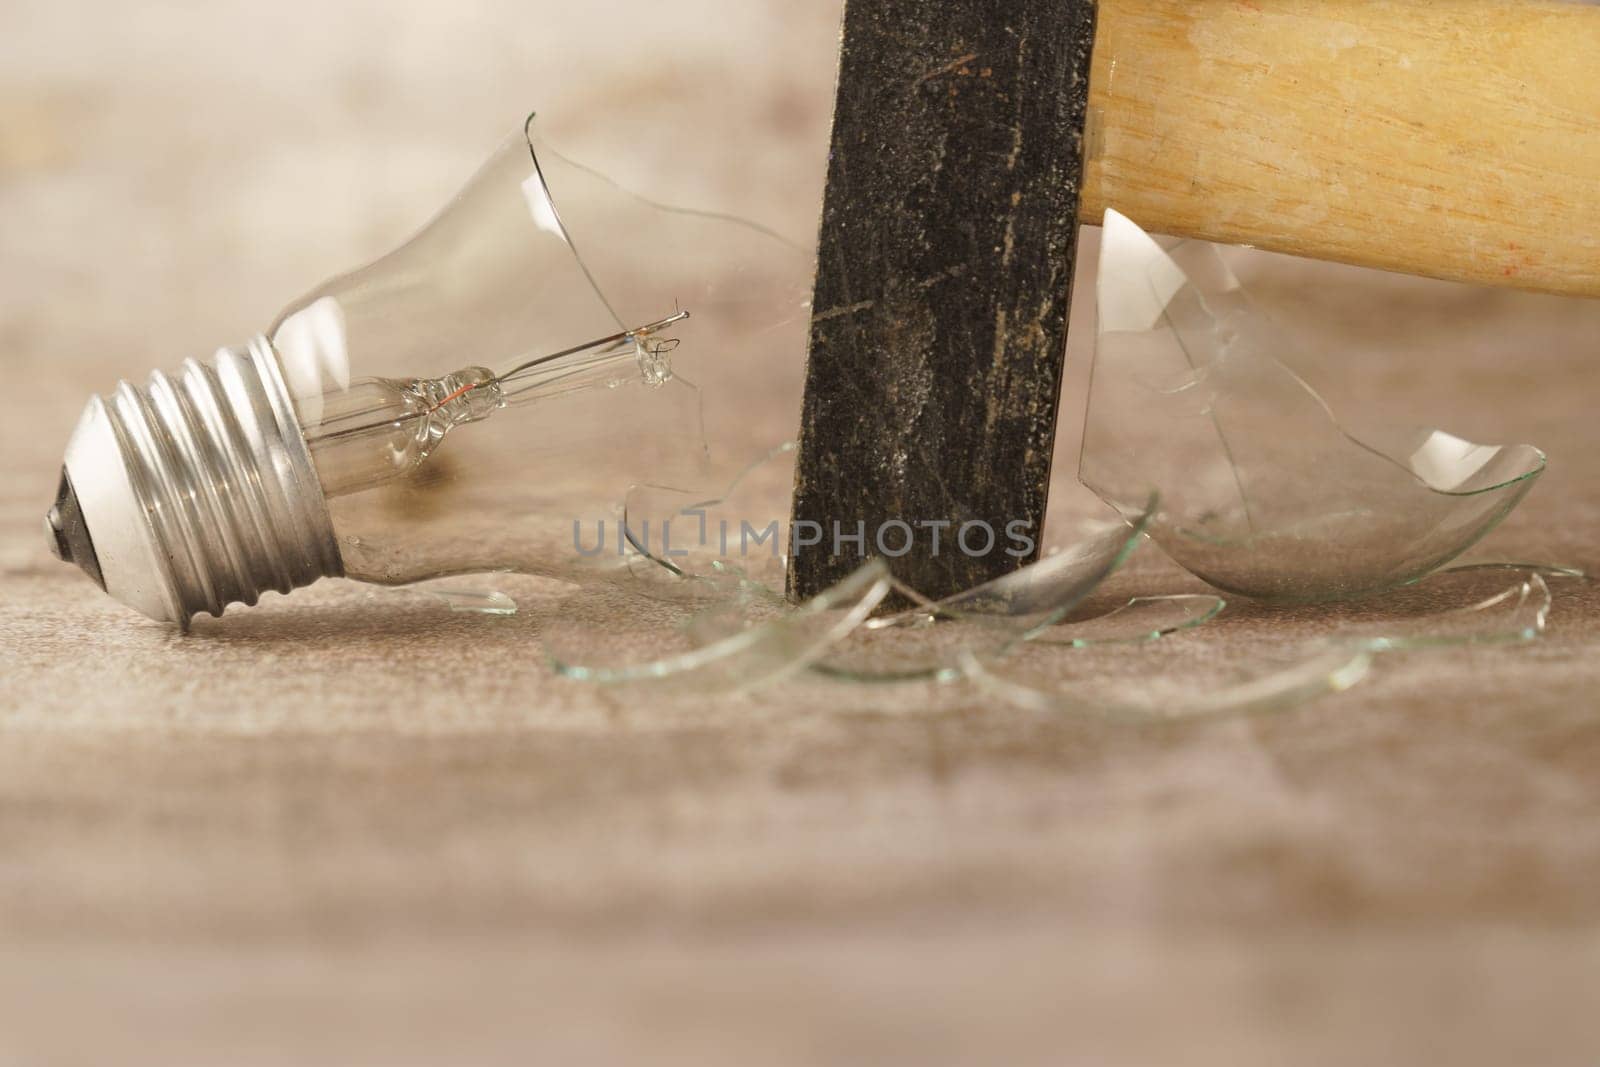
[944, 276]
[1456, 139]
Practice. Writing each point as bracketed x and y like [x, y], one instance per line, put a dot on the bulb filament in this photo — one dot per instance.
[635, 335]
[380, 428]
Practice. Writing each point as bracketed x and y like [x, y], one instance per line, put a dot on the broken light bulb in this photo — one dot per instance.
[459, 405]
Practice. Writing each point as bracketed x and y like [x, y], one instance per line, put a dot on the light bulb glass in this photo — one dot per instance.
[485, 396]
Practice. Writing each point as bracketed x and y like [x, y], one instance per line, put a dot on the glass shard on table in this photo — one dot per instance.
[611, 634]
[1142, 618]
[470, 595]
[480, 399]
[1214, 673]
[1262, 491]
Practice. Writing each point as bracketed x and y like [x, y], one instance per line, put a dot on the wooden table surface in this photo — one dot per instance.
[352, 828]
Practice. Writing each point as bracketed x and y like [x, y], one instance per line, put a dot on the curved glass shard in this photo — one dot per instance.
[1263, 492]
[773, 640]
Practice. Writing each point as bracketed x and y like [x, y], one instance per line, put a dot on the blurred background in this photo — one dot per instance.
[320, 832]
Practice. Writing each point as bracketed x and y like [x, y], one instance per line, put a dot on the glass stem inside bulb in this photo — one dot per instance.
[380, 429]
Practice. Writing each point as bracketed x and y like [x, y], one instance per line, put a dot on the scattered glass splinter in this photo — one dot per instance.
[775, 641]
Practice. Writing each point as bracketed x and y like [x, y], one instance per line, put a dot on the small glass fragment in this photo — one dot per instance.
[1263, 493]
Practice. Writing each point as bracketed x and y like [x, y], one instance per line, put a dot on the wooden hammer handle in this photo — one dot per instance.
[1452, 138]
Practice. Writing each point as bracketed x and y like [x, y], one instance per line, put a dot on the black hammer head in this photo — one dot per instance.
[944, 278]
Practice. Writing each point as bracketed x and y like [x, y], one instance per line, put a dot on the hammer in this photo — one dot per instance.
[1457, 139]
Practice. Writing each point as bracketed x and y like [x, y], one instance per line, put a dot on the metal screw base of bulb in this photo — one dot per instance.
[219, 471]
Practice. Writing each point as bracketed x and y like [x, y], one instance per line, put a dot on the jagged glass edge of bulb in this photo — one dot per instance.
[1518, 614]
[654, 367]
[538, 144]
[1537, 460]
[717, 577]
